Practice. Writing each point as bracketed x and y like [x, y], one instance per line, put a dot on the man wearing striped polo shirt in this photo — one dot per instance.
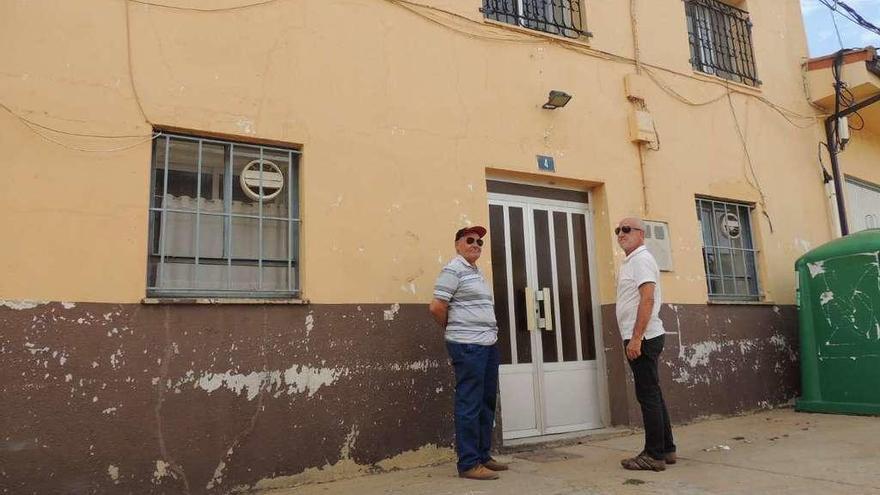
[463, 305]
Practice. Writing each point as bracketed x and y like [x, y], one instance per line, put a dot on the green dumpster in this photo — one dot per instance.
[838, 298]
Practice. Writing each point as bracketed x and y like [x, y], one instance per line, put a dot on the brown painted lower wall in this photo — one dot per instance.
[718, 359]
[101, 398]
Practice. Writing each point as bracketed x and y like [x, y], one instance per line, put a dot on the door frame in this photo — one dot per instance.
[603, 395]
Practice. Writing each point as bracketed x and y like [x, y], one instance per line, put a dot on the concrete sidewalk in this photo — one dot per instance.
[772, 452]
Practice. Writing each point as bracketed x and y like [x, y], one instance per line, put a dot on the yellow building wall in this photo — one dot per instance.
[399, 112]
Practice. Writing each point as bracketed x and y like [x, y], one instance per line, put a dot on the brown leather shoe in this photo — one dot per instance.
[479, 472]
[670, 457]
[643, 462]
[494, 465]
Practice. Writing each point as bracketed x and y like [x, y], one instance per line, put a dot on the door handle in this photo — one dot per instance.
[531, 324]
[548, 310]
[545, 315]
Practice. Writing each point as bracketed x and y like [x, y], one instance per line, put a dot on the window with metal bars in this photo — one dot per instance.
[729, 254]
[561, 17]
[720, 38]
[224, 219]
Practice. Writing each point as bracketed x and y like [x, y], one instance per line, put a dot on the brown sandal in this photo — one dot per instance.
[643, 462]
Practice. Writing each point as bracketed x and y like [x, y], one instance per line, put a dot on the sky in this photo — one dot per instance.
[821, 36]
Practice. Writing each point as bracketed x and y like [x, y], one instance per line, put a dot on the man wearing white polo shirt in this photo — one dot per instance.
[638, 308]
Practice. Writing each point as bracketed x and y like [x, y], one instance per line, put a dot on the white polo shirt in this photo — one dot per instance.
[638, 268]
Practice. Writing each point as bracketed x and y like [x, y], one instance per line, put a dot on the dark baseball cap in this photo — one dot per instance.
[476, 229]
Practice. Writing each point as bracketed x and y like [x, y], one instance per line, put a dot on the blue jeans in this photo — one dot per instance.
[476, 387]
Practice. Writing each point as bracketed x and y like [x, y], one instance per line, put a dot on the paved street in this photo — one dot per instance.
[776, 452]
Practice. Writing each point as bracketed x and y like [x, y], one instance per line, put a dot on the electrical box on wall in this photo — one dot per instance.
[636, 86]
[658, 244]
[641, 127]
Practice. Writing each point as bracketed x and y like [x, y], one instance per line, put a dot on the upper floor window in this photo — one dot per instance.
[562, 17]
[224, 219]
[728, 250]
[720, 36]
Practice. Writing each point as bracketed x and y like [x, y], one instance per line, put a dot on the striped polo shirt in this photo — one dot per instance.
[471, 318]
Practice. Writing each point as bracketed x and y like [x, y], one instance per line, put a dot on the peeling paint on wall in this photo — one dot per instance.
[422, 365]
[293, 380]
[116, 359]
[217, 478]
[113, 472]
[20, 305]
[390, 314]
[310, 323]
[162, 470]
[681, 375]
[701, 366]
[700, 353]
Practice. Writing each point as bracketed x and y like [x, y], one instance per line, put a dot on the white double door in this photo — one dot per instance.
[546, 308]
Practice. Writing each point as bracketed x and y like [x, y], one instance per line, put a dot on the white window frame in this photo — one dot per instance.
[183, 259]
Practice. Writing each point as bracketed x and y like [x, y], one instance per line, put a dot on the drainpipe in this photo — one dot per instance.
[831, 197]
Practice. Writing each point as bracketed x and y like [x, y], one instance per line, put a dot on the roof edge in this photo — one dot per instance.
[866, 54]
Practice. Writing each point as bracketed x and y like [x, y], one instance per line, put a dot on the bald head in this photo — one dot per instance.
[630, 234]
[634, 222]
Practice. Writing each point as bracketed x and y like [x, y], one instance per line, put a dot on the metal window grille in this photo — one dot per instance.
[729, 255]
[720, 38]
[224, 219]
[562, 17]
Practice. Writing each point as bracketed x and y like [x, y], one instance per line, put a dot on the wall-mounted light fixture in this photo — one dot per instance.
[556, 99]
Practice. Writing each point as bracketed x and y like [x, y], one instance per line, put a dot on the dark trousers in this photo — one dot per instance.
[476, 387]
[658, 432]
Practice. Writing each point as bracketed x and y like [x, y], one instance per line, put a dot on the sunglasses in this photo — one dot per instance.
[626, 229]
[471, 240]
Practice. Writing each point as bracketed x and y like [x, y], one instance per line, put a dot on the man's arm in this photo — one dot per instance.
[440, 311]
[646, 305]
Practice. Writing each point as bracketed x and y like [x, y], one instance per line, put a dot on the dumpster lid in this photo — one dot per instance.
[865, 241]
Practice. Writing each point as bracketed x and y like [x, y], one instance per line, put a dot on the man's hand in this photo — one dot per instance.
[634, 349]
[440, 311]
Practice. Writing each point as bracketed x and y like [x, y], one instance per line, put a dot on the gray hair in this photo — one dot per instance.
[638, 222]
